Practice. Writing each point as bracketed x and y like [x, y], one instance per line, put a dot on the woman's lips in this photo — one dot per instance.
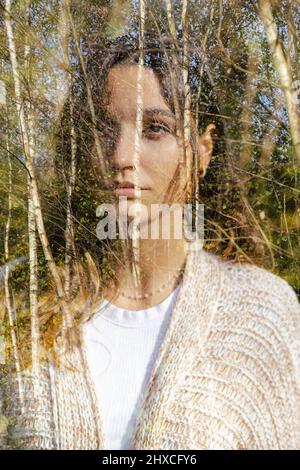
[129, 192]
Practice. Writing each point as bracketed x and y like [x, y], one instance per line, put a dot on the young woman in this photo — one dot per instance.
[184, 350]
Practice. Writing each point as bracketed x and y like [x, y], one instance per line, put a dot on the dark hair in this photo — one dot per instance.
[158, 53]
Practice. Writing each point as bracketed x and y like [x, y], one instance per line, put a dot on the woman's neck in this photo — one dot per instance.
[157, 262]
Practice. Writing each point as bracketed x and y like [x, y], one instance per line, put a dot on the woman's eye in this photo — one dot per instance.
[154, 130]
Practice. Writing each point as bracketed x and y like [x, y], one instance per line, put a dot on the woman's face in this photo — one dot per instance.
[151, 162]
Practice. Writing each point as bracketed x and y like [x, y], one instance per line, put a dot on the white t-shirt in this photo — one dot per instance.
[121, 347]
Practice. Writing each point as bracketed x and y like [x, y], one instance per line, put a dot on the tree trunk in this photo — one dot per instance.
[29, 158]
[283, 69]
[8, 297]
[33, 282]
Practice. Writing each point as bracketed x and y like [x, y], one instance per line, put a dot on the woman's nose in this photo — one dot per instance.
[123, 155]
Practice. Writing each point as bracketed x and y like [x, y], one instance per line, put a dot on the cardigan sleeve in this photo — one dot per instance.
[293, 309]
[256, 341]
[285, 310]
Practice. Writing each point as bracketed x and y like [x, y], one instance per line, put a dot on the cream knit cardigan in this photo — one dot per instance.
[227, 375]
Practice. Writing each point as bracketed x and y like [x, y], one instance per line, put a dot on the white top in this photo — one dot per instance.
[121, 347]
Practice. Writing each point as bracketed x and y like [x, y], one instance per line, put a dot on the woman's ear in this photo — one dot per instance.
[205, 148]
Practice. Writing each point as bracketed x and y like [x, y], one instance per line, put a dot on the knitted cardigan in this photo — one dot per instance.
[227, 375]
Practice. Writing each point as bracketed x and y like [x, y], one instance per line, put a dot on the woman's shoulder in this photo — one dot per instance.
[259, 306]
[245, 280]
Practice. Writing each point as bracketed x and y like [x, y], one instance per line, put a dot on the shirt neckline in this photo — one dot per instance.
[134, 318]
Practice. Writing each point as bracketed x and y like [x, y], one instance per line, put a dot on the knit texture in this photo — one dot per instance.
[227, 374]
